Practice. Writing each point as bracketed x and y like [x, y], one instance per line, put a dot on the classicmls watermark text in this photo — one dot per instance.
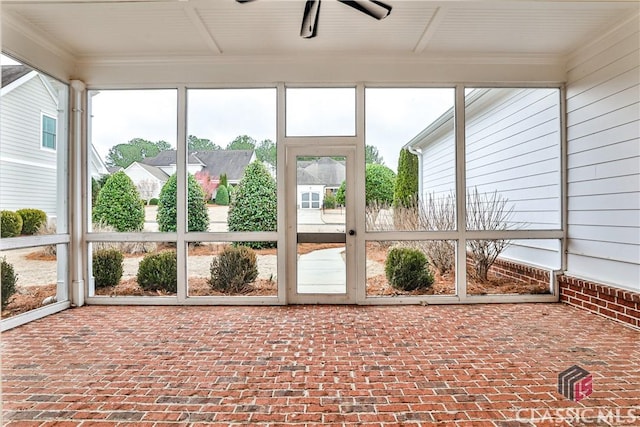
[575, 383]
[582, 416]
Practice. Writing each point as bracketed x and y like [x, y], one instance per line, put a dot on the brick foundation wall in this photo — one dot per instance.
[520, 273]
[617, 304]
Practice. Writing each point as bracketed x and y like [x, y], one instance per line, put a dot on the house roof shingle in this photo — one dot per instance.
[11, 73]
[325, 171]
[167, 158]
[155, 171]
[229, 162]
[215, 162]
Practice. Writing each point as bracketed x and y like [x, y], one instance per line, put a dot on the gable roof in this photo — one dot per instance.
[215, 162]
[11, 73]
[154, 171]
[325, 170]
[229, 162]
[168, 158]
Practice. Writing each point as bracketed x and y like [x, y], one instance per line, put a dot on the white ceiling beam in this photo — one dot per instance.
[430, 29]
[202, 29]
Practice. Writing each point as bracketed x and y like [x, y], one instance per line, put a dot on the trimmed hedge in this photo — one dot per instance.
[159, 272]
[198, 215]
[10, 224]
[254, 204]
[8, 279]
[119, 204]
[234, 269]
[32, 220]
[407, 269]
[222, 196]
[107, 267]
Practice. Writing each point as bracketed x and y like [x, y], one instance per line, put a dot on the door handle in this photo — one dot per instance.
[352, 232]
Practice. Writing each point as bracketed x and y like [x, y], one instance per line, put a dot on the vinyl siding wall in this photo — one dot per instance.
[28, 173]
[603, 118]
[512, 147]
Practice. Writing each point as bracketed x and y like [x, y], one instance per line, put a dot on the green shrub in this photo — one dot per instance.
[407, 269]
[406, 189]
[198, 216]
[233, 270]
[222, 196]
[379, 184]
[254, 205]
[8, 279]
[341, 194]
[32, 220]
[10, 224]
[232, 191]
[224, 182]
[159, 272]
[119, 204]
[107, 267]
[378, 187]
[329, 201]
[95, 190]
[153, 202]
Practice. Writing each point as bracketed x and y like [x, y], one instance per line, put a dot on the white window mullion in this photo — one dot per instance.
[181, 202]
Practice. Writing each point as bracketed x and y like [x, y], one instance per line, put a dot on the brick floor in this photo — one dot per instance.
[479, 365]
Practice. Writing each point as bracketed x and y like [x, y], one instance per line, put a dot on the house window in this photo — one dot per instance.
[310, 200]
[48, 132]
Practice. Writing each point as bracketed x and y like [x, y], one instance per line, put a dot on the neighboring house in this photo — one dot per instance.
[512, 147]
[316, 179]
[147, 179]
[151, 174]
[30, 147]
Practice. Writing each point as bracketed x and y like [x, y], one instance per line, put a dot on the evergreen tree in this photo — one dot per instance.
[254, 204]
[406, 189]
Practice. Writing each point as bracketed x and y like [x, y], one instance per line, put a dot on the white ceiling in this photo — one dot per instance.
[224, 28]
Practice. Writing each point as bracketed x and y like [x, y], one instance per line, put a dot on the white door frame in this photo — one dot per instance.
[321, 146]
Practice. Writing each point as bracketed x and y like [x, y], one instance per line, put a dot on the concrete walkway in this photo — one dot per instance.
[322, 272]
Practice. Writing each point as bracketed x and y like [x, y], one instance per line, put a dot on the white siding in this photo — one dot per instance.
[28, 173]
[138, 174]
[603, 118]
[512, 146]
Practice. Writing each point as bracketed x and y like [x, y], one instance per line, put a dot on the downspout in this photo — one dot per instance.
[78, 211]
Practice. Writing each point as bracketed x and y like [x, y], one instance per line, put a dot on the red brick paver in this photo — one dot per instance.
[480, 365]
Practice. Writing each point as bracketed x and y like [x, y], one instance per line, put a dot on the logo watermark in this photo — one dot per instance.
[575, 383]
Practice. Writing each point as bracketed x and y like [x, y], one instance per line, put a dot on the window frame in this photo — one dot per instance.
[43, 132]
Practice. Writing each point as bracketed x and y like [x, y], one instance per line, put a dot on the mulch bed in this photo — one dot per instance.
[29, 298]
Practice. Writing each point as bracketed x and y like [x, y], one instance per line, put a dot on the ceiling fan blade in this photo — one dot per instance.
[373, 8]
[309, 27]
[243, 1]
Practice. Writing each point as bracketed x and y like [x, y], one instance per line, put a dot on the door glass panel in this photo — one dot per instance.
[321, 250]
[321, 112]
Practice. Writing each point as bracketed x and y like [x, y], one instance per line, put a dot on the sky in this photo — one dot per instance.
[393, 116]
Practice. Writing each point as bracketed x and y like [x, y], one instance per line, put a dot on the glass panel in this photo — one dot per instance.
[33, 184]
[410, 155]
[513, 159]
[148, 269]
[132, 158]
[321, 268]
[39, 278]
[511, 266]
[321, 111]
[232, 131]
[33, 176]
[321, 259]
[224, 269]
[428, 268]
